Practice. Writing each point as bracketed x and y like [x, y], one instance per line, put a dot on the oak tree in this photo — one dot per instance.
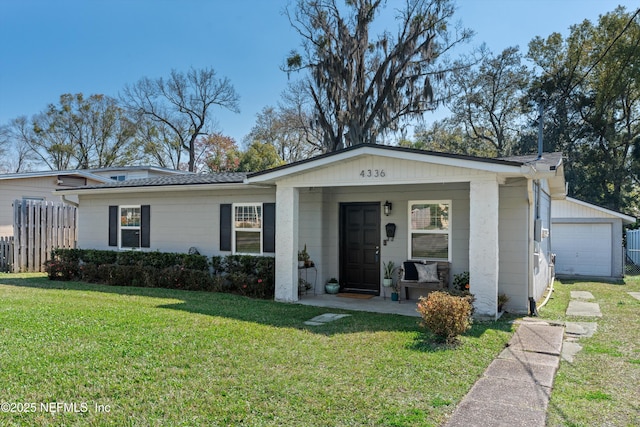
[182, 105]
[363, 86]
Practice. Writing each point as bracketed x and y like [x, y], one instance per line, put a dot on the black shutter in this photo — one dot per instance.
[145, 226]
[113, 226]
[225, 227]
[269, 227]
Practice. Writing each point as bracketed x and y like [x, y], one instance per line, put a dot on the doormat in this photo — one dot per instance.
[356, 296]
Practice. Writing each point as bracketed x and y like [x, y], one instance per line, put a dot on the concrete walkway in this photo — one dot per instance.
[516, 387]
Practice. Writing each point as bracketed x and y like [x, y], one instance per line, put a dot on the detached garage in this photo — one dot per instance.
[587, 239]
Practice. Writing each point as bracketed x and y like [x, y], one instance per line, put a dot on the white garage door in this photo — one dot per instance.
[582, 249]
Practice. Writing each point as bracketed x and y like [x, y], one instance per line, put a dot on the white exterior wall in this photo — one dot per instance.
[319, 223]
[484, 196]
[179, 220]
[514, 243]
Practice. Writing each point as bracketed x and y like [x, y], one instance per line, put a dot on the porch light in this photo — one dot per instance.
[387, 207]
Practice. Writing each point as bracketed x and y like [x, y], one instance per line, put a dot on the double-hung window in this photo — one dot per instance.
[429, 229]
[130, 220]
[129, 226]
[247, 228]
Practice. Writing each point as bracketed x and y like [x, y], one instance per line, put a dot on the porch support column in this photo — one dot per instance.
[286, 244]
[484, 204]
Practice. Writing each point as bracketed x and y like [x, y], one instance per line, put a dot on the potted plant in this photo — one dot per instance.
[303, 258]
[387, 281]
[332, 286]
[303, 286]
[395, 295]
[502, 300]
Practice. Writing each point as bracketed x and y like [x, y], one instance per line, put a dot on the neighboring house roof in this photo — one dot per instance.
[93, 174]
[79, 173]
[139, 168]
[176, 182]
[192, 179]
[626, 219]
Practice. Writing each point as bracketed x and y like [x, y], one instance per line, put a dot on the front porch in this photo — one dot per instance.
[377, 304]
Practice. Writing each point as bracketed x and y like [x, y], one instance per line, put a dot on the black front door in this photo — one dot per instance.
[360, 247]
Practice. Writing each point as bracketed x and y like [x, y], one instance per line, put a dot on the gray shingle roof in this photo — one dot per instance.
[551, 159]
[188, 179]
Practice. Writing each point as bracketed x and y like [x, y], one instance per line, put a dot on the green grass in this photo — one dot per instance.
[164, 357]
[602, 386]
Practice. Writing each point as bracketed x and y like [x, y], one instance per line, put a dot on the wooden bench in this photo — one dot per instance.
[409, 279]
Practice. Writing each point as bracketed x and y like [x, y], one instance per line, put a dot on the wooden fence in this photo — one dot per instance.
[6, 253]
[38, 228]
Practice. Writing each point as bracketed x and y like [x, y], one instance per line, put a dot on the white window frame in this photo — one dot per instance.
[235, 229]
[129, 227]
[411, 231]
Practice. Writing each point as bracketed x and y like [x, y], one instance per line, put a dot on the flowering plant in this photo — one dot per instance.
[461, 282]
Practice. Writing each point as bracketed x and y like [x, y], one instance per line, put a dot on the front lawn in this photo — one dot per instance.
[102, 355]
[602, 386]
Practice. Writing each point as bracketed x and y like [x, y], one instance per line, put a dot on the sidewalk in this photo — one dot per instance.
[516, 387]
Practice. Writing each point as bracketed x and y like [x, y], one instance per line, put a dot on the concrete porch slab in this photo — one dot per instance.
[374, 305]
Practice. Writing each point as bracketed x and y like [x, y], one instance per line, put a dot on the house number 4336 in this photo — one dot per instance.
[372, 173]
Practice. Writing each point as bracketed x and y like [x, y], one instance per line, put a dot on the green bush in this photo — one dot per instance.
[253, 276]
[248, 275]
[445, 315]
[61, 269]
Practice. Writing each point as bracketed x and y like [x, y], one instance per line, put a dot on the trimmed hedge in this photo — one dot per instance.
[252, 276]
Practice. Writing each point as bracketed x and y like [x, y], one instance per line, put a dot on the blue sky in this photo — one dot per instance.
[51, 47]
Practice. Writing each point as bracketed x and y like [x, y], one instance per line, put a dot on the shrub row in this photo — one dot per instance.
[253, 276]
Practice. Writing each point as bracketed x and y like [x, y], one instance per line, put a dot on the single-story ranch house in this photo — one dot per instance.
[489, 217]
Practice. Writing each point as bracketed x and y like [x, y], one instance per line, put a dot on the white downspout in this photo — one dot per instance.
[70, 202]
[530, 221]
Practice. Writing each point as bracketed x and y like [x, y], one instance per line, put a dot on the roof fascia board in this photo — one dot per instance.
[626, 218]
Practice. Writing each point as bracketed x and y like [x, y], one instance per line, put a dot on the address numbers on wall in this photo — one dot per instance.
[372, 173]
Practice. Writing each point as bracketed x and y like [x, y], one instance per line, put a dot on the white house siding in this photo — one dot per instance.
[319, 222]
[574, 219]
[396, 171]
[514, 241]
[179, 220]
